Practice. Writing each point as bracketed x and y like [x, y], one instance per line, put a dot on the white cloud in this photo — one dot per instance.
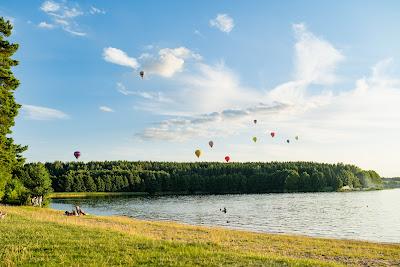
[152, 96]
[198, 33]
[316, 59]
[63, 15]
[166, 63]
[223, 22]
[76, 33]
[226, 122]
[42, 113]
[106, 109]
[46, 25]
[94, 10]
[50, 6]
[119, 57]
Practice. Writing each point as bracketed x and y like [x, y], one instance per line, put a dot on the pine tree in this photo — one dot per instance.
[10, 153]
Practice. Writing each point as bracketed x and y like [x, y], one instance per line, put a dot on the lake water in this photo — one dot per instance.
[372, 215]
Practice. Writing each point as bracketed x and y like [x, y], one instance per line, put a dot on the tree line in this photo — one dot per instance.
[207, 177]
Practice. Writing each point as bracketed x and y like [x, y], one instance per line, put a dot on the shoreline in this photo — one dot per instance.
[59, 195]
[125, 240]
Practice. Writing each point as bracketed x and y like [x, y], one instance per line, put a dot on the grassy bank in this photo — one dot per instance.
[33, 236]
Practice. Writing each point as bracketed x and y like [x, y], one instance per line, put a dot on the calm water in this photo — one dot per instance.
[373, 215]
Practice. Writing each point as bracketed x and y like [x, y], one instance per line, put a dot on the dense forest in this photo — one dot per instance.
[207, 177]
[391, 182]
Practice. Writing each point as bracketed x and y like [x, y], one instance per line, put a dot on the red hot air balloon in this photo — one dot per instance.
[77, 154]
[272, 134]
[227, 158]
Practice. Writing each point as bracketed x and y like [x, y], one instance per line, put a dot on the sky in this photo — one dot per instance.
[325, 71]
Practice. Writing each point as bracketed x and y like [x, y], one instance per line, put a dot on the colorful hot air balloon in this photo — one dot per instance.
[141, 74]
[77, 154]
[272, 134]
[297, 137]
[255, 121]
[227, 158]
[211, 144]
[198, 153]
[254, 139]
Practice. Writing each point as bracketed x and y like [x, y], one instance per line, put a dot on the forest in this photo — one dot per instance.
[207, 177]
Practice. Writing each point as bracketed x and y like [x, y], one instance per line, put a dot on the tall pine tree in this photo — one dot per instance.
[10, 153]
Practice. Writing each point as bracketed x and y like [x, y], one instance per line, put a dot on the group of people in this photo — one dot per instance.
[76, 212]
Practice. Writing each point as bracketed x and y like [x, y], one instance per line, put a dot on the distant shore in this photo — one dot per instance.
[38, 236]
[56, 195]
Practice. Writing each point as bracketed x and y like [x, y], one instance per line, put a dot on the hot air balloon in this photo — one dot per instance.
[77, 154]
[141, 74]
[227, 158]
[211, 144]
[272, 134]
[254, 139]
[288, 141]
[255, 121]
[198, 153]
[297, 137]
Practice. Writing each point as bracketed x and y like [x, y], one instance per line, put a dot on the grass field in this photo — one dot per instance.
[34, 236]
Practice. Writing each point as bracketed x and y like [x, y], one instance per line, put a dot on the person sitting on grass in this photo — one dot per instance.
[79, 211]
[2, 215]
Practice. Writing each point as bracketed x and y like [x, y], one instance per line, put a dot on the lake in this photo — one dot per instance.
[368, 215]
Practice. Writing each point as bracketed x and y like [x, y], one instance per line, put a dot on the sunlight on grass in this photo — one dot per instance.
[45, 236]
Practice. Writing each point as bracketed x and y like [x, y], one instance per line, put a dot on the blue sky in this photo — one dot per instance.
[325, 71]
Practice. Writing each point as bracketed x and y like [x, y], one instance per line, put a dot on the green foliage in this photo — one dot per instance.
[204, 177]
[10, 153]
[36, 179]
[16, 192]
[292, 181]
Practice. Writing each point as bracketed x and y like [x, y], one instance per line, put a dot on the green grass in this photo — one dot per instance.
[34, 236]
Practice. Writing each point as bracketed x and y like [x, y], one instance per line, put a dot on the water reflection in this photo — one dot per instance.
[373, 215]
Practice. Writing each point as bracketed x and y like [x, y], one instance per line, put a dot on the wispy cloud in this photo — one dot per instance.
[106, 109]
[223, 22]
[50, 6]
[42, 113]
[46, 25]
[198, 33]
[225, 122]
[64, 14]
[148, 95]
[316, 59]
[94, 10]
